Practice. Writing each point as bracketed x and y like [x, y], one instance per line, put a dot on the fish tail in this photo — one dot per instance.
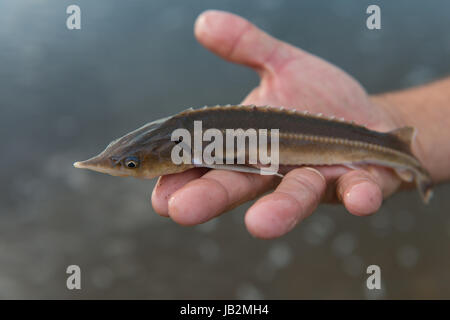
[422, 178]
[424, 185]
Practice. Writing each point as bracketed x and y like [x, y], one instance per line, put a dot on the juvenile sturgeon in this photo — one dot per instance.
[304, 139]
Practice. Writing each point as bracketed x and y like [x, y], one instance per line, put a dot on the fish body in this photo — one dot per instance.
[304, 139]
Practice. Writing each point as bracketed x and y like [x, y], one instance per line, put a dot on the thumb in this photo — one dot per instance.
[237, 40]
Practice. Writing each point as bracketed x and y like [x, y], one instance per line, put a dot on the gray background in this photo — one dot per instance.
[65, 94]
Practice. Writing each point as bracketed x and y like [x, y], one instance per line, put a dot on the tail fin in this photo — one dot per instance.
[424, 185]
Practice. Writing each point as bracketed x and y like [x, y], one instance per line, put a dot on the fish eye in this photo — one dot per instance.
[131, 162]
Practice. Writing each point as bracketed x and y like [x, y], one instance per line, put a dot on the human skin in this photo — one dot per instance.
[293, 78]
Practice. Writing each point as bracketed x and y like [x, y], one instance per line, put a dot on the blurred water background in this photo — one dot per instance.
[65, 94]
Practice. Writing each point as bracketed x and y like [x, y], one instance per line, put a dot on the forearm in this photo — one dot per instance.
[426, 108]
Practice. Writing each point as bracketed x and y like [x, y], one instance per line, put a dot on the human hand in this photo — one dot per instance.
[292, 78]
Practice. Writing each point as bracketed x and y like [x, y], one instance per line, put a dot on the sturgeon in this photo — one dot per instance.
[304, 139]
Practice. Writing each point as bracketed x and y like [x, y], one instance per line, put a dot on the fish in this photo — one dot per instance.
[304, 139]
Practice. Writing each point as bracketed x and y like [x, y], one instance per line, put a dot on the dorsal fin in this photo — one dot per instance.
[404, 134]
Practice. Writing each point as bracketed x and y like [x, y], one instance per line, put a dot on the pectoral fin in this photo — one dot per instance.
[236, 167]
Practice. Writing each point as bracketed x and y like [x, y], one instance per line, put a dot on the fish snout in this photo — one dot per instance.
[90, 163]
[99, 164]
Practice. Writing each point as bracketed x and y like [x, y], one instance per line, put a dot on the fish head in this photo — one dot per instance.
[143, 153]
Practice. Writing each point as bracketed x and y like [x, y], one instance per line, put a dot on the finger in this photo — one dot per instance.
[332, 175]
[362, 191]
[214, 193]
[168, 184]
[235, 39]
[294, 199]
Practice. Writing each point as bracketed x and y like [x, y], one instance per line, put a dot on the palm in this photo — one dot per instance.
[306, 82]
